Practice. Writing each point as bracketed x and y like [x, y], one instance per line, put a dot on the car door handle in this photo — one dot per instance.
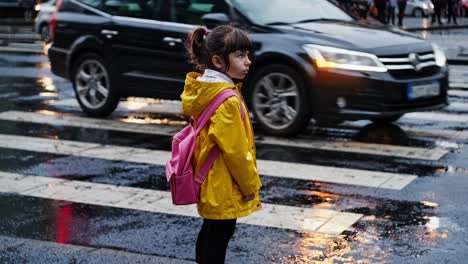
[172, 41]
[109, 33]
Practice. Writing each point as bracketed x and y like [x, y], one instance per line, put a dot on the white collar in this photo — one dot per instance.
[213, 76]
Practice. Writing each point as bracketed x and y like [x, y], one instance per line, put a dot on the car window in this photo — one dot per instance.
[191, 11]
[292, 11]
[148, 9]
[93, 3]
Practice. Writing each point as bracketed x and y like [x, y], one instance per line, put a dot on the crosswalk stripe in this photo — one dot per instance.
[449, 134]
[360, 147]
[459, 85]
[437, 116]
[353, 147]
[457, 107]
[356, 177]
[272, 215]
[458, 93]
[167, 107]
[411, 131]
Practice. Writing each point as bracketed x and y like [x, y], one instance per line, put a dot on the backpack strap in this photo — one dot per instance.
[215, 103]
[215, 151]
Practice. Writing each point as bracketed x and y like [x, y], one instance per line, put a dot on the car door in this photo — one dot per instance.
[149, 42]
[145, 47]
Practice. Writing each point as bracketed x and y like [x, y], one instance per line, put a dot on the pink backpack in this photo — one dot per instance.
[185, 188]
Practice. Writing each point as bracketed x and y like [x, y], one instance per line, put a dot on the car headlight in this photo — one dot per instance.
[439, 55]
[424, 6]
[329, 57]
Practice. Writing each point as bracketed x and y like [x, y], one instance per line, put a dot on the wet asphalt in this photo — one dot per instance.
[426, 222]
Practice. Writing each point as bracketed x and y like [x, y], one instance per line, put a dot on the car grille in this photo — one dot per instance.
[413, 65]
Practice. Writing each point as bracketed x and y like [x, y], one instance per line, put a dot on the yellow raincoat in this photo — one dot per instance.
[234, 173]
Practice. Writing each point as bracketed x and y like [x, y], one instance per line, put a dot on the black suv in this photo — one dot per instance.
[310, 58]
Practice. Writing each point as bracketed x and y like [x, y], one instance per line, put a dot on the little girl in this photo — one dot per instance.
[231, 189]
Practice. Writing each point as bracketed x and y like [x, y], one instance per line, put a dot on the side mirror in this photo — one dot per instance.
[213, 20]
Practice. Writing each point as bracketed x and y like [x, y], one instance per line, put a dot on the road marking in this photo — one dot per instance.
[449, 134]
[51, 118]
[458, 93]
[459, 85]
[23, 36]
[408, 130]
[306, 172]
[457, 107]
[360, 147]
[278, 216]
[437, 116]
[353, 147]
[163, 107]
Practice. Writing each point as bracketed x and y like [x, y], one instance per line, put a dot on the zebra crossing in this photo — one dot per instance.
[294, 218]
[272, 215]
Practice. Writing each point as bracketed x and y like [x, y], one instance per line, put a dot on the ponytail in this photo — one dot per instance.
[221, 41]
[196, 48]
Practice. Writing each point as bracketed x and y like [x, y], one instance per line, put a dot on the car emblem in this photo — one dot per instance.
[414, 60]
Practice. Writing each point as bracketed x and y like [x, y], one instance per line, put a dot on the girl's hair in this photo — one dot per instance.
[202, 45]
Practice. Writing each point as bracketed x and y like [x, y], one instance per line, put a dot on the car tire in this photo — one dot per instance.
[279, 100]
[387, 119]
[93, 86]
[44, 31]
[418, 12]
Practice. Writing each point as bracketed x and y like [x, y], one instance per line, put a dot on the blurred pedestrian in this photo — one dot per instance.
[401, 11]
[437, 11]
[381, 6]
[231, 188]
[28, 6]
[391, 9]
[451, 10]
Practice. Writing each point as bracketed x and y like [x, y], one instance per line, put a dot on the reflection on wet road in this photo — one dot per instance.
[94, 190]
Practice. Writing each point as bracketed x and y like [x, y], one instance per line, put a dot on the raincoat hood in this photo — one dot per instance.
[198, 94]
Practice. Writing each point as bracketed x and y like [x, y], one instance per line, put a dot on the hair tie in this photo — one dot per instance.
[207, 31]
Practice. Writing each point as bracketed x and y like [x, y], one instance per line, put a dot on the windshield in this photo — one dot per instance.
[265, 12]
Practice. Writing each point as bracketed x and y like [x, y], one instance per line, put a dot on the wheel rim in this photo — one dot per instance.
[92, 84]
[276, 100]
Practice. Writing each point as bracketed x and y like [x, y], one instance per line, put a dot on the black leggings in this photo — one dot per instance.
[213, 240]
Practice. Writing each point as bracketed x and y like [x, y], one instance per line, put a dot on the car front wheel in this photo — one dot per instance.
[279, 100]
[93, 87]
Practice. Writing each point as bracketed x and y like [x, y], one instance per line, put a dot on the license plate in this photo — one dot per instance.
[423, 90]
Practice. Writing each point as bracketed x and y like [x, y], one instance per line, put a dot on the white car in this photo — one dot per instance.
[46, 8]
[419, 8]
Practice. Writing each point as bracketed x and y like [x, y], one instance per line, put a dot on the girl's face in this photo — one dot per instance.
[239, 64]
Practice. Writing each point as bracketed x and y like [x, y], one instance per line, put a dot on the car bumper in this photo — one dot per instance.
[349, 95]
[58, 61]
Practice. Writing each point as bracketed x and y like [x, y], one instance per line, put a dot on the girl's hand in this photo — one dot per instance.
[249, 198]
